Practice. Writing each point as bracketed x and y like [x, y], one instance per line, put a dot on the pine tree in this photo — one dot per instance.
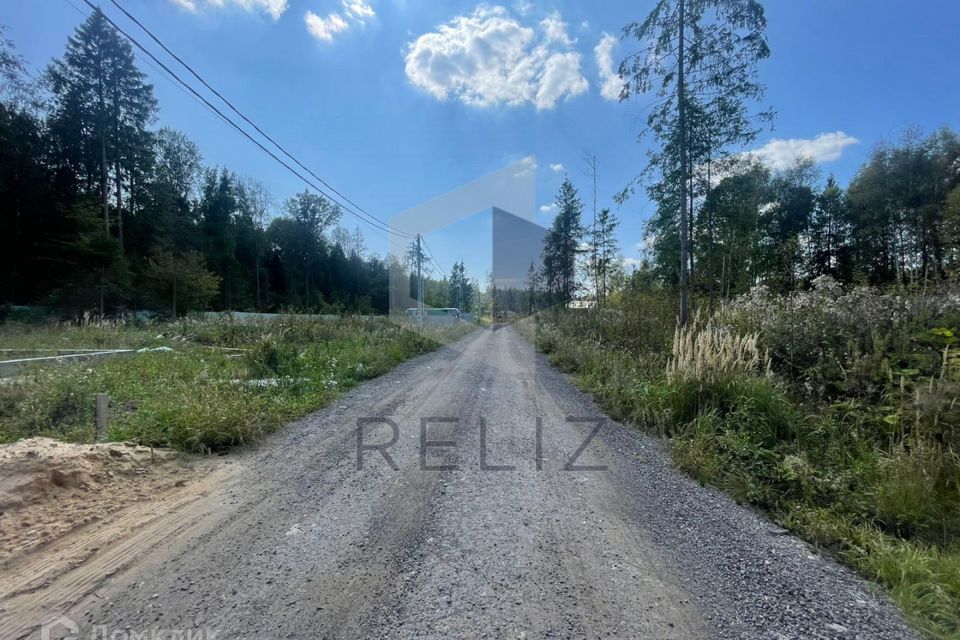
[702, 66]
[101, 107]
[533, 288]
[829, 234]
[604, 245]
[563, 245]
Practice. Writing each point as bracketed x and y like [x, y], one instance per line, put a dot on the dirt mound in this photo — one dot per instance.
[48, 487]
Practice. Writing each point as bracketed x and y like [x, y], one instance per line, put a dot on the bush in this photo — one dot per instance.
[834, 410]
[917, 492]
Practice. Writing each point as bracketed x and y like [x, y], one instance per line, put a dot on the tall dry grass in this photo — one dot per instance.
[710, 353]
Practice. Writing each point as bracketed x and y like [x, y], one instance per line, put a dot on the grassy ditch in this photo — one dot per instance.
[834, 411]
[199, 385]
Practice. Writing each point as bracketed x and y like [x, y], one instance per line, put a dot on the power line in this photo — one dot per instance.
[244, 117]
[373, 222]
[157, 69]
[430, 253]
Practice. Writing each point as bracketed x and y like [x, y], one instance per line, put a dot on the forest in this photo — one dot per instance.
[101, 210]
[896, 224]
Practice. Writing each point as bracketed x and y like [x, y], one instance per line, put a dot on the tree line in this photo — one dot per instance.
[895, 224]
[102, 211]
[725, 222]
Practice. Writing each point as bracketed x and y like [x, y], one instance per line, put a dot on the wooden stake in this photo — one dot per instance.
[102, 415]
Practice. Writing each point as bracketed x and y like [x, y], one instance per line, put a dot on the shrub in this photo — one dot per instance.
[917, 492]
[834, 410]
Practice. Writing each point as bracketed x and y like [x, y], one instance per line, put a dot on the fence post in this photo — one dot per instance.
[102, 415]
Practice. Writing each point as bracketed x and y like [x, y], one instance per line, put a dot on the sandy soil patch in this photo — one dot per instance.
[73, 516]
[49, 488]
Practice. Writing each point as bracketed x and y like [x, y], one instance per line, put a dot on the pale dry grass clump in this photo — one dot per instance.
[712, 353]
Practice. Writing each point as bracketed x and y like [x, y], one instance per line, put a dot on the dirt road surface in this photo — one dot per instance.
[301, 543]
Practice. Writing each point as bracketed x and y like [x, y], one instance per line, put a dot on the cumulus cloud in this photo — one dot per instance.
[556, 167]
[325, 28]
[358, 9]
[354, 12]
[523, 7]
[489, 58]
[780, 153]
[610, 82]
[527, 164]
[631, 263]
[555, 29]
[548, 208]
[273, 8]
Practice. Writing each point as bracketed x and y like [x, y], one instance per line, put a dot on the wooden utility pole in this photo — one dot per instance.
[591, 161]
[419, 284]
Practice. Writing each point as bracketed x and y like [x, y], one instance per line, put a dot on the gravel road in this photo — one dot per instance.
[303, 544]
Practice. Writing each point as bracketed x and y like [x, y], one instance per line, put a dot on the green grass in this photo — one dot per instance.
[226, 383]
[873, 479]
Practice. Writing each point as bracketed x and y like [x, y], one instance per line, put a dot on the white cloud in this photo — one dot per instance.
[781, 153]
[556, 167]
[610, 82]
[631, 263]
[354, 11]
[358, 9]
[186, 4]
[488, 58]
[555, 29]
[527, 164]
[325, 28]
[548, 208]
[561, 76]
[274, 8]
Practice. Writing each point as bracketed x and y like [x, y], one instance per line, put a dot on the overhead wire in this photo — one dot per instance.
[156, 69]
[430, 253]
[237, 111]
[369, 220]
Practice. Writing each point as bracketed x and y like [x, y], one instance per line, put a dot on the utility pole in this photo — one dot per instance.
[591, 172]
[460, 278]
[419, 285]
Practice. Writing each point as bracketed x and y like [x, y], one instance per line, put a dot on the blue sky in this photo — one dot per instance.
[373, 96]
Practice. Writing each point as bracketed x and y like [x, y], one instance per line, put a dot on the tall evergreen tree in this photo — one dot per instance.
[702, 66]
[562, 246]
[604, 250]
[311, 214]
[101, 107]
[829, 233]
